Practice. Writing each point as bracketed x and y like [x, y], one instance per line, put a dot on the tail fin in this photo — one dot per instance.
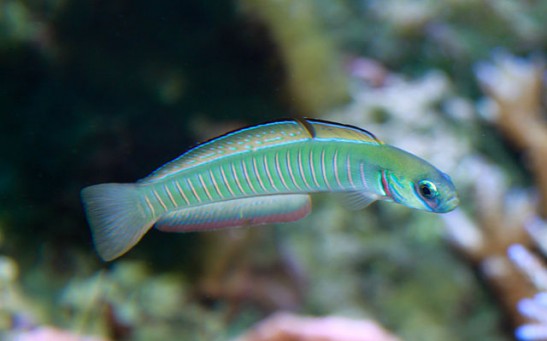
[117, 221]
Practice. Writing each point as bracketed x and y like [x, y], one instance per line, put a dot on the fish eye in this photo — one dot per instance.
[427, 189]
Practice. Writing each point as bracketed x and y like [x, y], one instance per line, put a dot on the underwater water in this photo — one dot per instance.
[108, 91]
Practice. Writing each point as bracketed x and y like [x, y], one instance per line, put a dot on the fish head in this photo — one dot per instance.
[432, 190]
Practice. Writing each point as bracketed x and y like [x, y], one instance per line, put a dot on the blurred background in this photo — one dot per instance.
[107, 91]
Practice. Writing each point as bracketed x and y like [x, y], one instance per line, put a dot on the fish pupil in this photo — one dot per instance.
[427, 190]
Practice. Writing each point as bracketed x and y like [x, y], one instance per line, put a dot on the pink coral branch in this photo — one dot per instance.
[289, 327]
[516, 86]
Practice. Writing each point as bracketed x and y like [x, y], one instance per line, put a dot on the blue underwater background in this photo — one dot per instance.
[108, 91]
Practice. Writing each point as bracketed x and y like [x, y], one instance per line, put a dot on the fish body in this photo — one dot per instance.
[262, 174]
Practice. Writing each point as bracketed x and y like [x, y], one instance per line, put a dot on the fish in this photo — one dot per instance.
[259, 175]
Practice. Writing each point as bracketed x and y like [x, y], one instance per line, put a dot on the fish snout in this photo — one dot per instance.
[449, 204]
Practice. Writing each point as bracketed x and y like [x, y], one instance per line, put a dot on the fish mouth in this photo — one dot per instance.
[449, 205]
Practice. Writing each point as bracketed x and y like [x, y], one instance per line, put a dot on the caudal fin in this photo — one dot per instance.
[116, 219]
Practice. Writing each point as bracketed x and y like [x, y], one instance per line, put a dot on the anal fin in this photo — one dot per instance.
[238, 212]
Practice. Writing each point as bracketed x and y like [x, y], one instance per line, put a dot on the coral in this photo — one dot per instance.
[250, 270]
[287, 327]
[514, 87]
[533, 309]
[50, 334]
[129, 302]
[497, 215]
[483, 237]
[20, 316]
[427, 117]
[418, 35]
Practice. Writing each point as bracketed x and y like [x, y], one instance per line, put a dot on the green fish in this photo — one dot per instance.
[262, 174]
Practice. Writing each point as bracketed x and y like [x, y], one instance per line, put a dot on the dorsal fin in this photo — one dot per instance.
[336, 131]
[236, 142]
[306, 124]
[261, 136]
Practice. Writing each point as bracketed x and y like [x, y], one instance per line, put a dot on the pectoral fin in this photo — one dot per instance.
[357, 200]
[238, 212]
